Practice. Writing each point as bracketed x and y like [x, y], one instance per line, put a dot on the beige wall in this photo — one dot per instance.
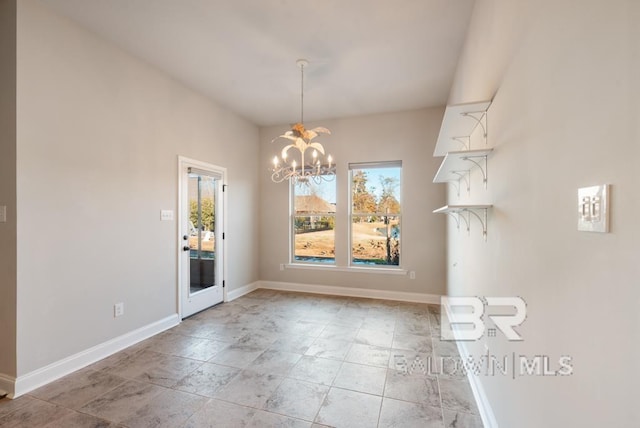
[8, 187]
[99, 134]
[565, 115]
[408, 136]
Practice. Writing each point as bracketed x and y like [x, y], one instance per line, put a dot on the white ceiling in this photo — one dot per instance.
[365, 56]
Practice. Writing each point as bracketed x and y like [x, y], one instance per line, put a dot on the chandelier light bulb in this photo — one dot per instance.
[275, 161]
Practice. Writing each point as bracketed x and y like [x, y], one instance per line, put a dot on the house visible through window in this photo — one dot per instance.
[375, 213]
[314, 216]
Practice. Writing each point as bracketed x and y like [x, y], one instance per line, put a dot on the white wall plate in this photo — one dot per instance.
[593, 208]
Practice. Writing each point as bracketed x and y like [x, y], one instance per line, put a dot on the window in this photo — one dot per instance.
[375, 213]
[313, 222]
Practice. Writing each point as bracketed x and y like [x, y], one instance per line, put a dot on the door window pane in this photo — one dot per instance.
[202, 192]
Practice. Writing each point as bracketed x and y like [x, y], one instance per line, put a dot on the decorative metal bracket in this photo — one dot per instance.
[464, 213]
[485, 170]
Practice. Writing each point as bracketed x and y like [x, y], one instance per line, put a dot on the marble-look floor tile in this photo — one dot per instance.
[296, 344]
[274, 362]
[237, 356]
[316, 370]
[400, 414]
[80, 420]
[412, 342]
[379, 323]
[263, 419]
[122, 402]
[416, 388]
[7, 405]
[154, 367]
[339, 332]
[369, 355]
[257, 339]
[445, 348]
[413, 326]
[220, 414]
[168, 409]
[326, 348]
[207, 379]
[457, 395]
[37, 413]
[188, 347]
[305, 328]
[361, 355]
[250, 388]
[78, 388]
[349, 409]
[453, 419]
[358, 377]
[196, 328]
[296, 398]
[382, 339]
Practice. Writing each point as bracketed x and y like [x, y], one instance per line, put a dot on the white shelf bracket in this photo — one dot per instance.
[456, 217]
[481, 119]
[464, 176]
[485, 170]
[482, 220]
[464, 213]
[465, 141]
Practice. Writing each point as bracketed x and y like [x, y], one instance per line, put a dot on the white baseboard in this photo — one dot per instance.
[239, 292]
[402, 296]
[44, 375]
[484, 406]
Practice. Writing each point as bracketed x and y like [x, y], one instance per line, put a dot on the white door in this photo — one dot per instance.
[201, 235]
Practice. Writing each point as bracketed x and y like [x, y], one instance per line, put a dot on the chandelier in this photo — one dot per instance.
[307, 162]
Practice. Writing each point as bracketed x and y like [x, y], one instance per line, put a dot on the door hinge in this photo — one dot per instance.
[222, 235]
[224, 283]
[224, 187]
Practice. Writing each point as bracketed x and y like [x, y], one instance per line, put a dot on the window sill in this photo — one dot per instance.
[352, 269]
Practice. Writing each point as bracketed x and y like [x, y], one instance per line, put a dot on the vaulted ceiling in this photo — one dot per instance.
[365, 56]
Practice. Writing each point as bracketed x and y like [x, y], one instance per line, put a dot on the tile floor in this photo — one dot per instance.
[268, 359]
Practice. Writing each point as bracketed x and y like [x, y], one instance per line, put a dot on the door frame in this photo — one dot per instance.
[184, 162]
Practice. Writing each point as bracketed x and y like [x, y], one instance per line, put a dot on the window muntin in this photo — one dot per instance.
[375, 206]
[313, 222]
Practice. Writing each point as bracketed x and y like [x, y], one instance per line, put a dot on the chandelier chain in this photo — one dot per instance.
[302, 93]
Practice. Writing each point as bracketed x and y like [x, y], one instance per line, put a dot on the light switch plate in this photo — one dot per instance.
[166, 215]
[593, 208]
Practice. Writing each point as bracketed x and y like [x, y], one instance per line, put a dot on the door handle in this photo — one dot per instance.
[186, 248]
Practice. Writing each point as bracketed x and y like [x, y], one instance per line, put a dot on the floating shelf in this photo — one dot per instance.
[464, 213]
[458, 124]
[457, 166]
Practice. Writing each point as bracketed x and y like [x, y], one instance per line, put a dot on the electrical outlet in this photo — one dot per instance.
[281, 266]
[3, 213]
[412, 275]
[118, 310]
